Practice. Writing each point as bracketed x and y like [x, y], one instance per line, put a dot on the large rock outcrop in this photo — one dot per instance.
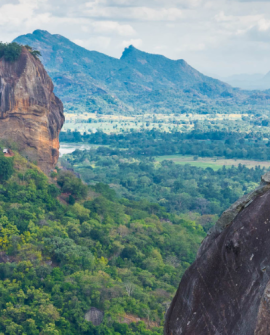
[30, 114]
[227, 289]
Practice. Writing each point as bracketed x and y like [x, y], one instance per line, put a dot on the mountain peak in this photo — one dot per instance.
[135, 72]
[132, 53]
[39, 32]
[131, 49]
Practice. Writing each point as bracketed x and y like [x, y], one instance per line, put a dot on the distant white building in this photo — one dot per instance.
[5, 151]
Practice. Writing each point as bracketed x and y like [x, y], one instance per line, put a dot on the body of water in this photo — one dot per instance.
[68, 148]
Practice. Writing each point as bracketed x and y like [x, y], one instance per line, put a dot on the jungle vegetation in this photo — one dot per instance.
[66, 247]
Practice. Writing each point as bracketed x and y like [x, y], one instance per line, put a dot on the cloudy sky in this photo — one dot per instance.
[217, 37]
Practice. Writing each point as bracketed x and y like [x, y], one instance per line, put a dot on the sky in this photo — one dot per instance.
[218, 37]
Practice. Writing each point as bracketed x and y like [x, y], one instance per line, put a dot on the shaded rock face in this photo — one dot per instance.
[30, 114]
[95, 316]
[227, 289]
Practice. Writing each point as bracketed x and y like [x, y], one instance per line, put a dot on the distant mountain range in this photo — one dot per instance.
[255, 81]
[136, 83]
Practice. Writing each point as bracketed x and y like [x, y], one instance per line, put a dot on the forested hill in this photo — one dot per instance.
[91, 81]
[160, 72]
[66, 249]
[149, 71]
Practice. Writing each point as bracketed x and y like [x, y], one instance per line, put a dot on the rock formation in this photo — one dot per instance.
[95, 316]
[30, 114]
[227, 289]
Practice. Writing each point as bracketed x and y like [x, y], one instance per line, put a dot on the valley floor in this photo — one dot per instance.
[214, 163]
[203, 162]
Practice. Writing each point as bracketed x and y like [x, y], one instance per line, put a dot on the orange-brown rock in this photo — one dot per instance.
[30, 114]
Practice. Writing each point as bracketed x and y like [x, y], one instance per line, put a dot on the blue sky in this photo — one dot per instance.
[217, 37]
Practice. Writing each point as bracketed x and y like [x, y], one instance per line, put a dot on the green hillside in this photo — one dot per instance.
[66, 247]
[138, 82]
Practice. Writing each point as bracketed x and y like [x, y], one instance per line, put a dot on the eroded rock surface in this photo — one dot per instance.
[95, 316]
[30, 114]
[227, 289]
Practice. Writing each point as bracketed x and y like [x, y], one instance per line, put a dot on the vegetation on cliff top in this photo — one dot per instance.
[59, 259]
[12, 51]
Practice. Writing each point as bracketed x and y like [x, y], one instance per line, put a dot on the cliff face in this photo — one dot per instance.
[227, 289]
[30, 114]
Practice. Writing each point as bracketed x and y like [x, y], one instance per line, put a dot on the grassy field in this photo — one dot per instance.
[119, 123]
[86, 116]
[117, 127]
[213, 163]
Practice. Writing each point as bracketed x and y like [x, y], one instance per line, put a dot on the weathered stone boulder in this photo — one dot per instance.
[30, 114]
[95, 316]
[227, 289]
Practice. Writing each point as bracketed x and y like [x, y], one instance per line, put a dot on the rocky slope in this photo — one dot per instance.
[30, 114]
[227, 289]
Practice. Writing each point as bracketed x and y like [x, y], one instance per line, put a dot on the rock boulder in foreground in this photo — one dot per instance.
[227, 289]
[30, 114]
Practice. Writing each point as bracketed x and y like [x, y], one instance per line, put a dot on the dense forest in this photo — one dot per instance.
[66, 247]
[204, 144]
[178, 188]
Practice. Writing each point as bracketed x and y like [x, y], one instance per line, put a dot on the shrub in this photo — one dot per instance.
[10, 51]
[35, 53]
[71, 184]
[6, 168]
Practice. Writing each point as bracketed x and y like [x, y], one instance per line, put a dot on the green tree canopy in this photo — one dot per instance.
[10, 51]
[6, 167]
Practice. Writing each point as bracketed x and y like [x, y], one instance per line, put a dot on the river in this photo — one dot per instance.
[68, 148]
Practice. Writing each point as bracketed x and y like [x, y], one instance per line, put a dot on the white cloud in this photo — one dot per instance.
[187, 3]
[15, 14]
[259, 32]
[152, 3]
[222, 36]
[132, 13]
[137, 43]
[256, 1]
[160, 48]
[263, 25]
[192, 47]
[113, 27]
[161, 14]
[239, 20]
